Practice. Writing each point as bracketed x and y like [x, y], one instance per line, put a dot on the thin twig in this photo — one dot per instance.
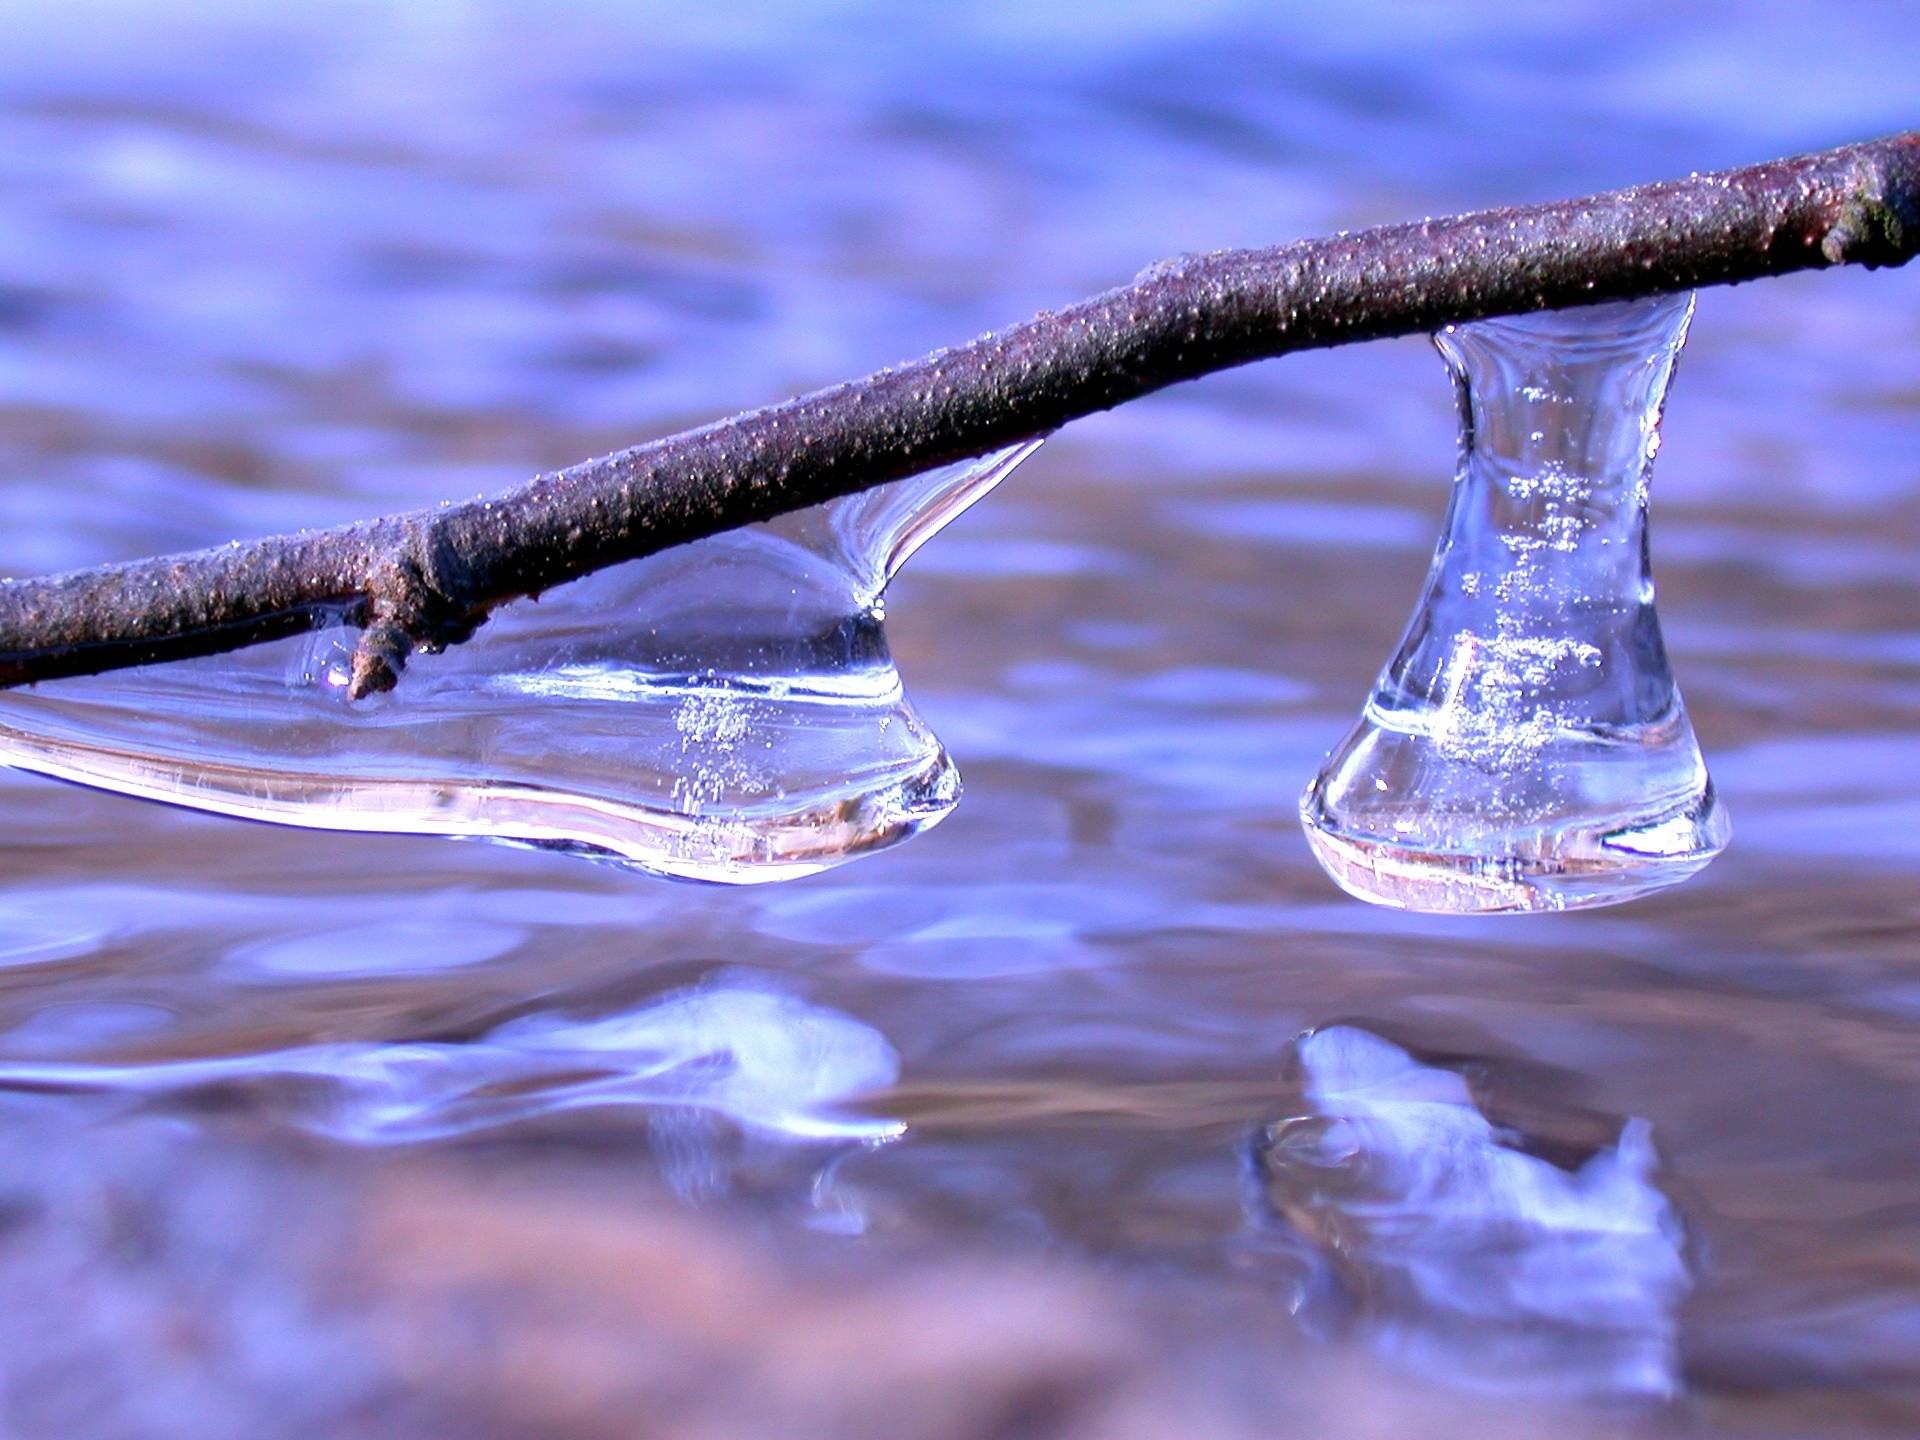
[426, 579]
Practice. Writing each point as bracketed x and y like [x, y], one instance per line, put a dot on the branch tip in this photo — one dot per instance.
[379, 657]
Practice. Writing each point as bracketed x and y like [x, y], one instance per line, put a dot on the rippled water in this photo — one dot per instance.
[266, 270]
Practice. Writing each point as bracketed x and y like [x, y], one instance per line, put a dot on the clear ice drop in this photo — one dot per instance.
[1526, 747]
[725, 711]
[771, 1063]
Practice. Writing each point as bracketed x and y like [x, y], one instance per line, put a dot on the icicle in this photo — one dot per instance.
[727, 710]
[1526, 748]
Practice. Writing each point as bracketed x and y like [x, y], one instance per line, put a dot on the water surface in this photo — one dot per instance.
[264, 271]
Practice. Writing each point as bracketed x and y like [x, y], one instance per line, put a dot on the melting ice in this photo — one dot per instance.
[1471, 1258]
[727, 710]
[1526, 747]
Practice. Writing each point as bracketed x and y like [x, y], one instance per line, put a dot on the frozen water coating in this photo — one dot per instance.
[1526, 747]
[727, 710]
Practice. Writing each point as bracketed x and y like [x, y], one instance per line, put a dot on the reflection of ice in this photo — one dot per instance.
[767, 1061]
[384, 947]
[1474, 1259]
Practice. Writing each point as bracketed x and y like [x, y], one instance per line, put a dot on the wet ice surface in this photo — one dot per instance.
[324, 269]
[725, 711]
[1526, 748]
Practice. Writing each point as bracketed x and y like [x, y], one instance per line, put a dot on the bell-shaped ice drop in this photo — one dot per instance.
[1526, 747]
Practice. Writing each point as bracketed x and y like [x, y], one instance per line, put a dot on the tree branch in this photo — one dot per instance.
[427, 579]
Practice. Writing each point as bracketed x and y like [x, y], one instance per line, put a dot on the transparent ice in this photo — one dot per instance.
[1526, 747]
[727, 710]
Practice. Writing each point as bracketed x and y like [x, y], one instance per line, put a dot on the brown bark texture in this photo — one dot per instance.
[428, 578]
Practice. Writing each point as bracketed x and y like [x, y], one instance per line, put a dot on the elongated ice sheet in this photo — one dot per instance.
[727, 710]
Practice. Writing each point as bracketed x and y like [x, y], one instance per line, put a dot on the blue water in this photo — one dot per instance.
[265, 267]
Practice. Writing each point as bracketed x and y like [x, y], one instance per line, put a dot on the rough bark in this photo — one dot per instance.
[426, 579]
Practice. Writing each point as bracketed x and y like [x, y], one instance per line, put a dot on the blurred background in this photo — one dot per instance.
[1008, 1132]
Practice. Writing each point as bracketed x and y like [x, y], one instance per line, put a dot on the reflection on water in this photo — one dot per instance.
[764, 1060]
[1467, 1256]
[265, 267]
[725, 711]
